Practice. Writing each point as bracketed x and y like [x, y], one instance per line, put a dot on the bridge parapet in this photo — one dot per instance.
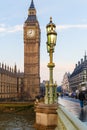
[67, 121]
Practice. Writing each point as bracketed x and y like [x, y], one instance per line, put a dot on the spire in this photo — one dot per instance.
[31, 13]
[85, 57]
[85, 52]
[15, 68]
[32, 5]
[32, 10]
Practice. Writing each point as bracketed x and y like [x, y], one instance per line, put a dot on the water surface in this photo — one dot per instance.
[15, 121]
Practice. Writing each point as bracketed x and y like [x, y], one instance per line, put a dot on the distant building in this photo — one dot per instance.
[42, 88]
[79, 75]
[65, 82]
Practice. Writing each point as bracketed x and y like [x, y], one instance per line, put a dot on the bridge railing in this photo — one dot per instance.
[67, 121]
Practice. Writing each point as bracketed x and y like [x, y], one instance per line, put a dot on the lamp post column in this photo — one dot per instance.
[46, 93]
[50, 91]
[51, 65]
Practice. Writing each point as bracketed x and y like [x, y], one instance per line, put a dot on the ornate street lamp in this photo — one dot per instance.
[50, 87]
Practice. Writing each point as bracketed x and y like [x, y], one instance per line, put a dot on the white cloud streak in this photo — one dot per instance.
[18, 28]
[13, 29]
[68, 26]
[2, 29]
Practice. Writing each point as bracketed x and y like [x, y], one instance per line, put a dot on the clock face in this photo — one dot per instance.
[31, 33]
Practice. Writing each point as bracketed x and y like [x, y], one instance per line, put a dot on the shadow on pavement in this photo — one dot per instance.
[83, 115]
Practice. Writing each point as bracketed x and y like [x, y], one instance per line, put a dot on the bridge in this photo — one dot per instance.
[67, 120]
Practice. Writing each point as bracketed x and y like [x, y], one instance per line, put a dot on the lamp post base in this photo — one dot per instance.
[46, 116]
[41, 127]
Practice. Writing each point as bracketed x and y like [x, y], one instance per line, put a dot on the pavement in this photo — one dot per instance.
[73, 106]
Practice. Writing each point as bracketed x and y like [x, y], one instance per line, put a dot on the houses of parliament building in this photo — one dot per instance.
[13, 83]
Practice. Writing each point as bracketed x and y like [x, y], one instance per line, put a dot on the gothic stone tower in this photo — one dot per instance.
[31, 54]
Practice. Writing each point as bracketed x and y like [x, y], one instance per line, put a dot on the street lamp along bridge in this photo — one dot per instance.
[50, 87]
[48, 109]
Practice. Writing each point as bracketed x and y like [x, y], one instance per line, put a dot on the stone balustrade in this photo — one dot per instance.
[67, 121]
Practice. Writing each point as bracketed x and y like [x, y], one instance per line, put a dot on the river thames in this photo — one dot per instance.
[15, 121]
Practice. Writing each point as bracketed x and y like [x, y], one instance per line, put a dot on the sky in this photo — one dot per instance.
[70, 17]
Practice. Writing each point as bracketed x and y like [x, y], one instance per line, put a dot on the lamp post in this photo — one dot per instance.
[50, 87]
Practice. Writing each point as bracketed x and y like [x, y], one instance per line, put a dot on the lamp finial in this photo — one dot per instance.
[51, 19]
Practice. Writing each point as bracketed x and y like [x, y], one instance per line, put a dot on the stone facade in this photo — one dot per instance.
[10, 83]
[31, 54]
[48, 113]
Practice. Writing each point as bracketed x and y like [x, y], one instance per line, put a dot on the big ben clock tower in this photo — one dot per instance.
[31, 54]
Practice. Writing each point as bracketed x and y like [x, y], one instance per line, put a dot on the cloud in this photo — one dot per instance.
[10, 29]
[68, 26]
[2, 28]
[16, 28]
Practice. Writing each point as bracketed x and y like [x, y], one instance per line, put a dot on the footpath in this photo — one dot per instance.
[73, 106]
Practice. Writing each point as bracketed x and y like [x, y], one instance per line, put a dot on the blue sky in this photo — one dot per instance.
[70, 17]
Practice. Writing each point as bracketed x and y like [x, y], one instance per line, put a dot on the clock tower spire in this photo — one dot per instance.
[32, 10]
[32, 5]
[31, 54]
